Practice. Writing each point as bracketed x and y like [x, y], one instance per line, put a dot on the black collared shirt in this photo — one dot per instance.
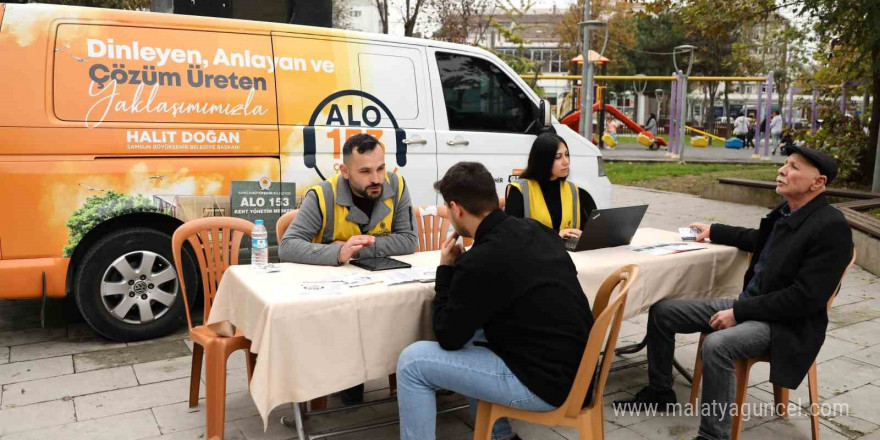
[521, 287]
[753, 288]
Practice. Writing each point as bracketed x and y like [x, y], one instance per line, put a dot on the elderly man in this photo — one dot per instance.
[799, 252]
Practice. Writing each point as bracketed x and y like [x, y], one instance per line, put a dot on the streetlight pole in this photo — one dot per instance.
[586, 79]
[586, 119]
[683, 93]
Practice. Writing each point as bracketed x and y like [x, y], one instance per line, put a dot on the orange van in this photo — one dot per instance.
[117, 126]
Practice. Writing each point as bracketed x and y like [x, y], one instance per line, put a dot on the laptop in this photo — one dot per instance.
[608, 228]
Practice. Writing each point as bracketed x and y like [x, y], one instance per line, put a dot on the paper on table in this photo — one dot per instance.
[411, 275]
[357, 279]
[321, 287]
[666, 248]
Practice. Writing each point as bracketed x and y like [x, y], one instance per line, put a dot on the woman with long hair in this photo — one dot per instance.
[543, 193]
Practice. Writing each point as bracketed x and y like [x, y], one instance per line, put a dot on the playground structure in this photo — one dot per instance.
[676, 126]
[573, 119]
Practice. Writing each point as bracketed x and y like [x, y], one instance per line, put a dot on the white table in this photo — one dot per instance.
[313, 345]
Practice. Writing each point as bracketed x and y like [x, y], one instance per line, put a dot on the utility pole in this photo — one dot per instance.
[586, 120]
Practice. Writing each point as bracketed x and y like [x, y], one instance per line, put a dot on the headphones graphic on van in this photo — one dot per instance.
[310, 146]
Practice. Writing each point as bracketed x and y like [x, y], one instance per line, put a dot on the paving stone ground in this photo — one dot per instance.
[65, 382]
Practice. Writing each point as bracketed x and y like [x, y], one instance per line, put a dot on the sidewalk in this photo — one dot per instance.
[714, 154]
[65, 382]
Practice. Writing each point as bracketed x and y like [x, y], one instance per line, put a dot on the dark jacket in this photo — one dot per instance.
[519, 285]
[805, 260]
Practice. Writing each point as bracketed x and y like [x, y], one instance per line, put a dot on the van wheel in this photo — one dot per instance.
[127, 288]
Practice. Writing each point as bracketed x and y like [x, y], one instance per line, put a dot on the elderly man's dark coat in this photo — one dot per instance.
[806, 258]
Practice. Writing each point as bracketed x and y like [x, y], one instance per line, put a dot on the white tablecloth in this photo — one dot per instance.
[312, 345]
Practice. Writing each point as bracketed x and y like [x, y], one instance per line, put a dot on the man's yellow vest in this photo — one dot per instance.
[534, 206]
[342, 229]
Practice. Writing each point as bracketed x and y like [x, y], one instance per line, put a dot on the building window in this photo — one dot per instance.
[355, 13]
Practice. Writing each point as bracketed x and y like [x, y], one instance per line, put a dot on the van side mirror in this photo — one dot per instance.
[544, 117]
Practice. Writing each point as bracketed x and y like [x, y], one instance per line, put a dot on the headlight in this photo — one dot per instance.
[601, 166]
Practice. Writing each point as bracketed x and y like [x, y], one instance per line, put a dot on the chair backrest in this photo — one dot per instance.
[839, 283]
[606, 315]
[283, 223]
[216, 242]
[433, 226]
[626, 275]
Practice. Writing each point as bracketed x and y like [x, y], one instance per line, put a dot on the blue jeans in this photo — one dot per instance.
[776, 137]
[721, 349]
[473, 371]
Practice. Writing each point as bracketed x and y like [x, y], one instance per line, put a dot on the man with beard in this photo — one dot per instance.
[364, 211]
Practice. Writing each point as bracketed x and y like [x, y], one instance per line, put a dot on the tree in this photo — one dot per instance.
[621, 35]
[519, 61]
[463, 21]
[382, 7]
[341, 10]
[410, 14]
[851, 27]
[100, 208]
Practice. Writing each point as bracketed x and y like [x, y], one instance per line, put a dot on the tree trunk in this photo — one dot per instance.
[868, 163]
[713, 90]
[726, 102]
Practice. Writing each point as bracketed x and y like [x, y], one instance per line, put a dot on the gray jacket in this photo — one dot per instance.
[297, 245]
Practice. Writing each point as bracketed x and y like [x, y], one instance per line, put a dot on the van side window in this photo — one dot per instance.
[480, 97]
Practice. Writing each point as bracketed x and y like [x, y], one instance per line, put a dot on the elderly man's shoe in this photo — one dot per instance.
[648, 399]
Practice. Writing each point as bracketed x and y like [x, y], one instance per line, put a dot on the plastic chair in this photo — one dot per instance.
[589, 420]
[216, 242]
[432, 226]
[780, 394]
[283, 223]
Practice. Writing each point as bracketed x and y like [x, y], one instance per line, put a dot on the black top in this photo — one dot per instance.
[550, 189]
[803, 262]
[365, 205]
[521, 287]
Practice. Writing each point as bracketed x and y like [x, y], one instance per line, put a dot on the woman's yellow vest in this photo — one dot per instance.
[342, 229]
[534, 206]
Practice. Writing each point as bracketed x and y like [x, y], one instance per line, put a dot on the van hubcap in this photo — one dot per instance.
[139, 287]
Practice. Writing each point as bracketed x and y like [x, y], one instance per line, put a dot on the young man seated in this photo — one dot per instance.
[799, 253]
[364, 211]
[510, 318]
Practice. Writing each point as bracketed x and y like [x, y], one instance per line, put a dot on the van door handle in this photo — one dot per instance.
[415, 141]
[457, 141]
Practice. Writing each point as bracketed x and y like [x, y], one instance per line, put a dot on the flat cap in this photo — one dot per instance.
[826, 164]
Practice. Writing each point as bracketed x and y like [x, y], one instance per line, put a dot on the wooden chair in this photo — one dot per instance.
[780, 394]
[283, 223]
[589, 420]
[216, 242]
[432, 226]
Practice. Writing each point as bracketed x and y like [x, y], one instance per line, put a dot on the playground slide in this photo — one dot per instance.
[572, 120]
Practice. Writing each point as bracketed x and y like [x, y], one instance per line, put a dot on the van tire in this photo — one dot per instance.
[140, 303]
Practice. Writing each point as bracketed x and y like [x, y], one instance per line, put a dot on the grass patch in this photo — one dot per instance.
[687, 178]
[874, 213]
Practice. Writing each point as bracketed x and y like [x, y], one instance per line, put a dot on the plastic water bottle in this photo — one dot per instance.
[260, 247]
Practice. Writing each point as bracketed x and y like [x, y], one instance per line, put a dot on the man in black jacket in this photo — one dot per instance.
[799, 254]
[510, 317]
